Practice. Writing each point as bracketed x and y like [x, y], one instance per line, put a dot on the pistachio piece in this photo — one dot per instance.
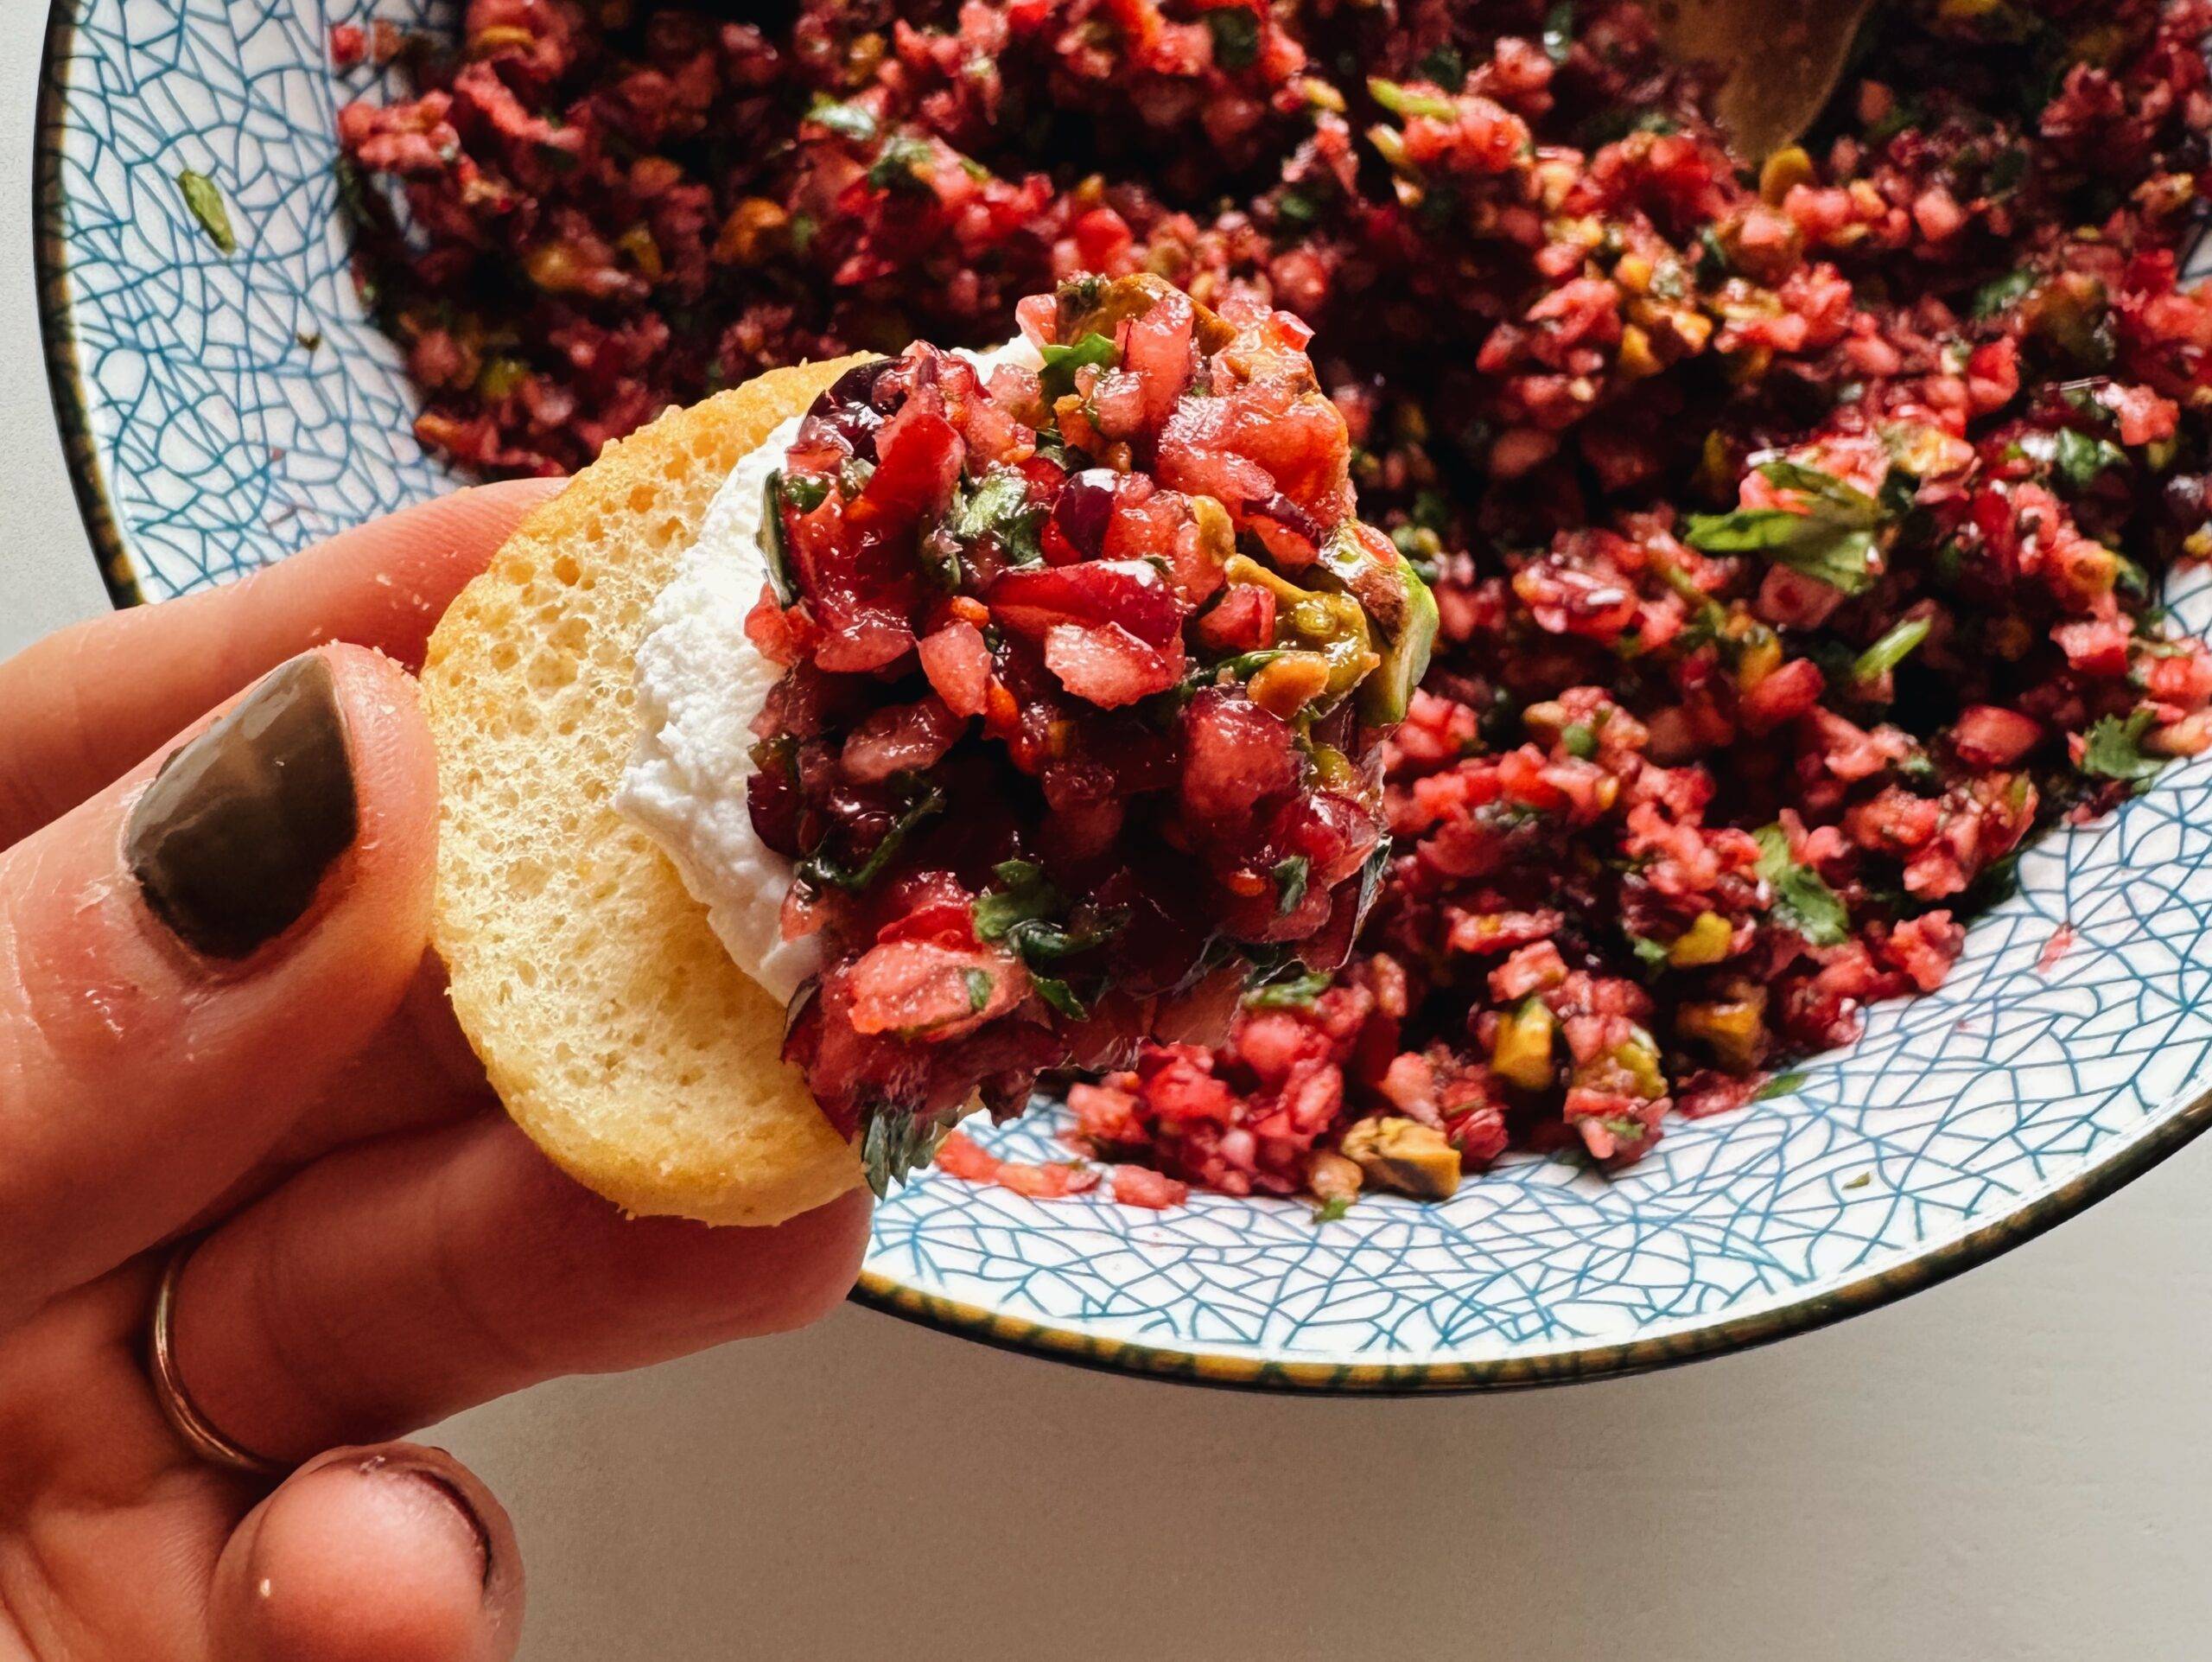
[1404, 1155]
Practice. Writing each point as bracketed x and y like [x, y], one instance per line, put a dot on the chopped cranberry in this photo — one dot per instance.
[1130, 594]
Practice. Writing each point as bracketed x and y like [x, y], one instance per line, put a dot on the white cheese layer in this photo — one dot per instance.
[701, 685]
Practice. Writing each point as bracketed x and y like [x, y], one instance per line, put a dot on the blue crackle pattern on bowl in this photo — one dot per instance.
[216, 439]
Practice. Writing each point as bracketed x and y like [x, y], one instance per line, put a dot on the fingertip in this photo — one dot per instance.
[826, 1247]
[391, 1554]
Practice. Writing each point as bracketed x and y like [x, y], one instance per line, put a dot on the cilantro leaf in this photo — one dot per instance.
[818, 870]
[2001, 294]
[1802, 899]
[2083, 459]
[899, 165]
[1831, 541]
[1000, 507]
[207, 207]
[1443, 65]
[805, 493]
[1291, 876]
[851, 121]
[1058, 377]
[1061, 996]
[1295, 992]
[981, 985]
[1781, 1085]
[1578, 741]
[2114, 749]
[1027, 898]
[1236, 38]
[1332, 1208]
[896, 1141]
[1020, 915]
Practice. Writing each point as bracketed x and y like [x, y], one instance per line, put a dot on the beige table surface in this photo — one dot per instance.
[2016, 1465]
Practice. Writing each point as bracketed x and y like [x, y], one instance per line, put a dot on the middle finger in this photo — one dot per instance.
[395, 1283]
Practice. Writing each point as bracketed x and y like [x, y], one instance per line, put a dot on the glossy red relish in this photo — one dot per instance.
[1088, 672]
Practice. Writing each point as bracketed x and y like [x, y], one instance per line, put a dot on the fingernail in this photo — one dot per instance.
[231, 841]
[429, 1481]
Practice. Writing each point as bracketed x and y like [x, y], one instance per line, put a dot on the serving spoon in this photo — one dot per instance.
[1782, 59]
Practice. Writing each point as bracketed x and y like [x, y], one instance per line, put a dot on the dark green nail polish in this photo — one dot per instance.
[232, 839]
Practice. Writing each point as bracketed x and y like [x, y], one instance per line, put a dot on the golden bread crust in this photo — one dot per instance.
[609, 1018]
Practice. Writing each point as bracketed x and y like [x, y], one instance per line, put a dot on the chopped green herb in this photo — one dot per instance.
[1019, 915]
[1001, 508]
[2006, 172]
[1802, 900]
[1403, 102]
[805, 493]
[1626, 1127]
[1713, 261]
[2085, 398]
[1832, 541]
[2112, 748]
[1903, 113]
[1781, 1085]
[1443, 65]
[1652, 955]
[1291, 877]
[980, 988]
[1332, 1209]
[895, 1141]
[1559, 31]
[1295, 992]
[2001, 294]
[1860, 1182]
[846, 120]
[2083, 459]
[1236, 38]
[1025, 898]
[1061, 996]
[1898, 643]
[817, 870]
[1057, 376]
[1579, 740]
[207, 207]
[899, 165]
[1295, 207]
[308, 339]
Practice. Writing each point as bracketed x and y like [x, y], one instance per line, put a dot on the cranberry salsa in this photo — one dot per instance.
[1089, 667]
[1794, 528]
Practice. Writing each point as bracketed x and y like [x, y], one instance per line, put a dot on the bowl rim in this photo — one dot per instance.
[2129, 1159]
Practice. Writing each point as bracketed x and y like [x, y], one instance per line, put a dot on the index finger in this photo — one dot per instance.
[79, 708]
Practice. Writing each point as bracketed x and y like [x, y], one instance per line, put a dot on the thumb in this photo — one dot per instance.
[185, 959]
[390, 1554]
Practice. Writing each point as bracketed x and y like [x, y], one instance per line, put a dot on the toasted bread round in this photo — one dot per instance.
[608, 1016]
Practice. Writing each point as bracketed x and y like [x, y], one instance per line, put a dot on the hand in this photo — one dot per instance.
[217, 1020]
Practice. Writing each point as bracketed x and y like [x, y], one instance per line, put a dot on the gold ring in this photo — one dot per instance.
[177, 1407]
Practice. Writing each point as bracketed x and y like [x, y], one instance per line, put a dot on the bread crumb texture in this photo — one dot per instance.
[609, 1018]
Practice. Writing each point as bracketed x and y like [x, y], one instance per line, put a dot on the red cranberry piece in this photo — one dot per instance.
[773, 798]
[848, 408]
[921, 457]
[1131, 592]
[1234, 753]
[1084, 509]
